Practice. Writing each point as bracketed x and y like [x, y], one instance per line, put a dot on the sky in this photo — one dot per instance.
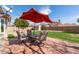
[66, 13]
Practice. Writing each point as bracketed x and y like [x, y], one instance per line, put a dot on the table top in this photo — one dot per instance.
[34, 36]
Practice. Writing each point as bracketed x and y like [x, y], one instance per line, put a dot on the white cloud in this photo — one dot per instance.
[45, 10]
[72, 19]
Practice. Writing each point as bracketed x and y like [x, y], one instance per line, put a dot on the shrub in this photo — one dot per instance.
[10, 36]
[21, 23]
[43, 27]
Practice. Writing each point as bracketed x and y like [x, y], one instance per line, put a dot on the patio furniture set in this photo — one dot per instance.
[35, 39]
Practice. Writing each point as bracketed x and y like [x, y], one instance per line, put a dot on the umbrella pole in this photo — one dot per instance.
[34, 29]
[39, 27]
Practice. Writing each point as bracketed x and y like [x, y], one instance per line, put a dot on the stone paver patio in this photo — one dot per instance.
[51, 46]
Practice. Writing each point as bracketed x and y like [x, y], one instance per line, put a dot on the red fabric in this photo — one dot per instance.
[35, 16]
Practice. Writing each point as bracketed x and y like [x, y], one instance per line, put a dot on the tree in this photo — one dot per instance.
[20, 23]
[78, 20]
[59, 20]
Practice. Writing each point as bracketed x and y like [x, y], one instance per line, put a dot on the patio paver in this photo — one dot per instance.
[51, 46]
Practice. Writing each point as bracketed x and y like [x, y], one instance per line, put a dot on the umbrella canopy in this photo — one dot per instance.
[35, 16]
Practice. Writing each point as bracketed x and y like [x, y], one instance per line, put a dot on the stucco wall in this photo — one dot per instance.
[11, 30]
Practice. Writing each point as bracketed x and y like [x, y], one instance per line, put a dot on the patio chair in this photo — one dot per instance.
[40, 36]
[44, 36]
[29, 34]
[21, 36]
[18, 34]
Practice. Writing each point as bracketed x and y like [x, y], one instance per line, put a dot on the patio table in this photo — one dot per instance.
[34, 36]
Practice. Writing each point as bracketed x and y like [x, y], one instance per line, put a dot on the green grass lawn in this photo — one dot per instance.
[70, 37]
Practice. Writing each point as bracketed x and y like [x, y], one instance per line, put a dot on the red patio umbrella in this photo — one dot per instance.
[35, 16]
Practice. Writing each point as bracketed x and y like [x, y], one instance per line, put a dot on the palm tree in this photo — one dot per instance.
[78, 20]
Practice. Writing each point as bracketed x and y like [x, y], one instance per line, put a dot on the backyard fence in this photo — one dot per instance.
[74, 29]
